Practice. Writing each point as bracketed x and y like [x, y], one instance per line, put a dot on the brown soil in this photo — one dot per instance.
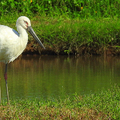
[33, 48]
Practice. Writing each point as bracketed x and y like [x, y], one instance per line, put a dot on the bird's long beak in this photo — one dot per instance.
[31, 31]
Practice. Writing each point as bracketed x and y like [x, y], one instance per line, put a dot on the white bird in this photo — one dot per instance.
[13, 43]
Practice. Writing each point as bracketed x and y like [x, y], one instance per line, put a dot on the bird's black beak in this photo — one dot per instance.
[31, 31]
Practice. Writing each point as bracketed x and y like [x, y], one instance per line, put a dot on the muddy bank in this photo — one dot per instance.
[33, 48]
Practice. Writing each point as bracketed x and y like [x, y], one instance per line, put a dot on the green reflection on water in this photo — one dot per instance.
[49, 77]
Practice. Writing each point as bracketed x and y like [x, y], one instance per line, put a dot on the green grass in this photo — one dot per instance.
[80, 36]
[72, 8]
[76, 36]
[61, 35]
[69, 27]
[104, 105]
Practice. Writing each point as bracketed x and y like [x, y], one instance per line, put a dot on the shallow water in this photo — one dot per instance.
[48, 77]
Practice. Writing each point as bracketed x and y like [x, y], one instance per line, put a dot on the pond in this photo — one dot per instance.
[49, 77]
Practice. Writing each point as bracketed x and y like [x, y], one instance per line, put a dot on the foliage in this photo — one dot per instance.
[73, 8]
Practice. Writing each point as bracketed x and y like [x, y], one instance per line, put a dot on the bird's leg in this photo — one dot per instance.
[0, 91]
[5, 76]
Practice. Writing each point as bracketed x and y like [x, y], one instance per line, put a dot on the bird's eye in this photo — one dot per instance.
[26, 22]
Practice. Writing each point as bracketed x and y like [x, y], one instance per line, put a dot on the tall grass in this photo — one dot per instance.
[73, 36]
[79, 36]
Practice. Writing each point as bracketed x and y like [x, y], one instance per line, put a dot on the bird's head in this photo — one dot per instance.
[25, 23]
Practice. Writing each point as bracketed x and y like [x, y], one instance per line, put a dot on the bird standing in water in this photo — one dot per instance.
[13, 43]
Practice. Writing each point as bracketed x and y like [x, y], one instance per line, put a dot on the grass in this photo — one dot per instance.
[72, 8]
[80, 36]
[69, 27]
[102, 106]
[61, 35]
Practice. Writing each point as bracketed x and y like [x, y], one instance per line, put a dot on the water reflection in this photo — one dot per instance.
[57, 76]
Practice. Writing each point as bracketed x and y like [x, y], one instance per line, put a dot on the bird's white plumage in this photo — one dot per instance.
[12, 43]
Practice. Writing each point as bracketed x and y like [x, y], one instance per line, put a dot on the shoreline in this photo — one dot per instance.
[62, 36]
[93, 106]
[110, 51]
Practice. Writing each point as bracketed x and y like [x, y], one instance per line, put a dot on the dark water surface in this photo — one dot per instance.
[50, 77]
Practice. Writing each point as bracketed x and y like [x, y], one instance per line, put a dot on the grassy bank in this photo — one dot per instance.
[104, 105]
[62, 35]
[68, 27]
[80, 36]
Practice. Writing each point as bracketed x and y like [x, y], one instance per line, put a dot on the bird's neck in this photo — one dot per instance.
[22, 33]
[23, 38]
